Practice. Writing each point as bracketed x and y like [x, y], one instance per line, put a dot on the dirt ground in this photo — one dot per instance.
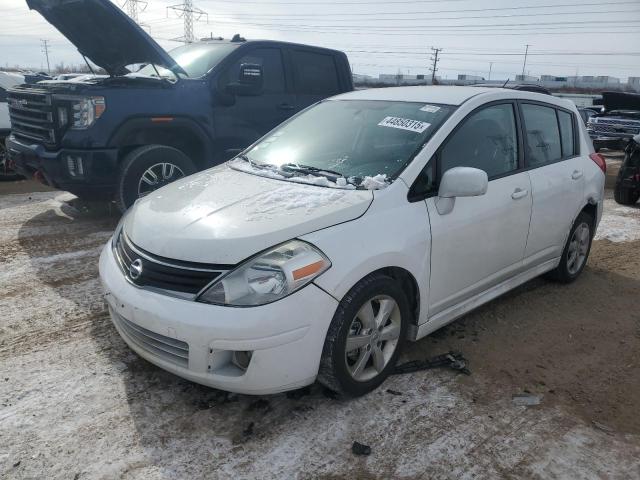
[76, 403]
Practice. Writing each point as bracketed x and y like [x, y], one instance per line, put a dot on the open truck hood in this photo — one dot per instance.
[104, 34]
[620, 101]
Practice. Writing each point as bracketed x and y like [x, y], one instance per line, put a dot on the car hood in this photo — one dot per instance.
[620, 101]
[103, 33]
[223, 216]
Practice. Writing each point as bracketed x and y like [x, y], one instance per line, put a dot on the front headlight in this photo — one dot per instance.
[86, 110]
[269, 276]
[118, 230]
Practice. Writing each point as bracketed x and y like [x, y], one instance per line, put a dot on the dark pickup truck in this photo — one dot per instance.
[123, 135]
[617, 123]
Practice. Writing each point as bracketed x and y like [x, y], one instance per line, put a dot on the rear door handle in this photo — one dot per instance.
[286, 106]
[519, 193]
[576, 174]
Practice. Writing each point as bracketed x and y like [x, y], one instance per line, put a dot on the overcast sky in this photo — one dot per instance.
[389, 35]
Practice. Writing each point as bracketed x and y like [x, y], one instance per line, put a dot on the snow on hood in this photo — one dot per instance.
[223, 215]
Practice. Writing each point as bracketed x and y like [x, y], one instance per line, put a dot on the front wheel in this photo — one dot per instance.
[625, 195]
[5, 172]
[148, 168]
[576, 251]
[365, 336]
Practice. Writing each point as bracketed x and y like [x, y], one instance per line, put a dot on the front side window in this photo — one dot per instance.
[351, 138]
[542, 135]
[272, 69]
[315, 73]
[566, 131]
[486, 140]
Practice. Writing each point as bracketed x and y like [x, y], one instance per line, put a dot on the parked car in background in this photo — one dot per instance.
[284, 265]
[126, 135]
[586, 113]
[618, 122]
[7, 80]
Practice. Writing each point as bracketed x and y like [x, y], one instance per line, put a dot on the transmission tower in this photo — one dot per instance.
[45, 50]
[132, 7]
[189, 13]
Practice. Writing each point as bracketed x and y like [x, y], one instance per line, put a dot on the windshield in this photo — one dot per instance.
[354, 139]
[196, 59]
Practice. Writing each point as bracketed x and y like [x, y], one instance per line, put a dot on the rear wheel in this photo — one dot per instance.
[576, 251]
[625, 195]
[365, 336]
[148, 168]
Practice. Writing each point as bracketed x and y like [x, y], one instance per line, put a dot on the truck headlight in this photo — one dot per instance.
[269, 276]
[86, 110]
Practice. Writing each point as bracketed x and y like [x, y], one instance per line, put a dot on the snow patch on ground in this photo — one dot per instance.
[619, 223]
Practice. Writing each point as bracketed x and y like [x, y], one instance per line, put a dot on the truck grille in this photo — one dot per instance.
[32, 115]
[163, 273]
[614, 126]
[169, 349]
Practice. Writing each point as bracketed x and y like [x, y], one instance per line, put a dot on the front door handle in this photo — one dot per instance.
[286, 106]
[519, 193]
[576, 174]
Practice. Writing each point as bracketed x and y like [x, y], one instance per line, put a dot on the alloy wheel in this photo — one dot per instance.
[373, 337]
[578, 248]
[157, 176]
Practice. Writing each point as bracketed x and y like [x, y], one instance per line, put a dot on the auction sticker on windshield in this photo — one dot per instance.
[405, 124]
[430, 109]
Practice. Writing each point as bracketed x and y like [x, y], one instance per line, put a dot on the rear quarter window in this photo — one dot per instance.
[565, 120]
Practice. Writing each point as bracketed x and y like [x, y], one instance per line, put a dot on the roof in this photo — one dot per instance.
[446, 95]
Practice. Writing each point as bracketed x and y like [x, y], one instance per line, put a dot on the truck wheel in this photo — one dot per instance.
[625, 196]
[148, 168]
[364, 339]
[5, 173]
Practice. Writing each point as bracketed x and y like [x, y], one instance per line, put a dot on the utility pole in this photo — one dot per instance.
[132, 8]
[189, 13]
[434, 59]
[45, 50]
[524, 64]
[490, 68]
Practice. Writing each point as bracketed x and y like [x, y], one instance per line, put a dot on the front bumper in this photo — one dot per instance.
[613, 141]
[196, 341]
[99, 168]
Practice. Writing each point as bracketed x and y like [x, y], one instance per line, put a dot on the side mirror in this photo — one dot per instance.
[460, 182]
[249, 80]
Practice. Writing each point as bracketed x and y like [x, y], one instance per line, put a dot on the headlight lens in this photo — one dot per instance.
[86, 110]
[268, 277]
[118, 230]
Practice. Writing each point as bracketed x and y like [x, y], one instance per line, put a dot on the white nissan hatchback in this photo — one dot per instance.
[368, 219]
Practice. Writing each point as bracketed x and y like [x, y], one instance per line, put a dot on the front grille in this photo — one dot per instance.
[32, 115]
[604, 125]
[624, 123]
[163, 273]
[170, 349]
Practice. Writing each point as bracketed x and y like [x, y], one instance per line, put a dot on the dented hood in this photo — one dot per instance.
[223, 216]
[103, 33]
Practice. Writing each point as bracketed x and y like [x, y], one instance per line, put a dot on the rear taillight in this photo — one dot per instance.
[600, 161]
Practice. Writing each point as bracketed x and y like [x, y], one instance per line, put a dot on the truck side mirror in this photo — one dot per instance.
[249, 80]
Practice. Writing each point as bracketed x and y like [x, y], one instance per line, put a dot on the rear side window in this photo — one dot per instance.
[542, 135]
[566, 132]
[486, 140]
[315, 73]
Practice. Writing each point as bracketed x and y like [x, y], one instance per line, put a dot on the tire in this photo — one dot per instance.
[625, 196]
[339, 369]
[139, 162]
[567, 271]
[5, 174]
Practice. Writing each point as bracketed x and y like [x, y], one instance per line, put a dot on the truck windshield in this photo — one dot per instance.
[196, 59]
[354, 139]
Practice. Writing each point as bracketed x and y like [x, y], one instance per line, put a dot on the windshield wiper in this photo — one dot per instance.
[296, 167]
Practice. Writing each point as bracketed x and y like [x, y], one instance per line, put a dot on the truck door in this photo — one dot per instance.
[242, 119]
[315, 76]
